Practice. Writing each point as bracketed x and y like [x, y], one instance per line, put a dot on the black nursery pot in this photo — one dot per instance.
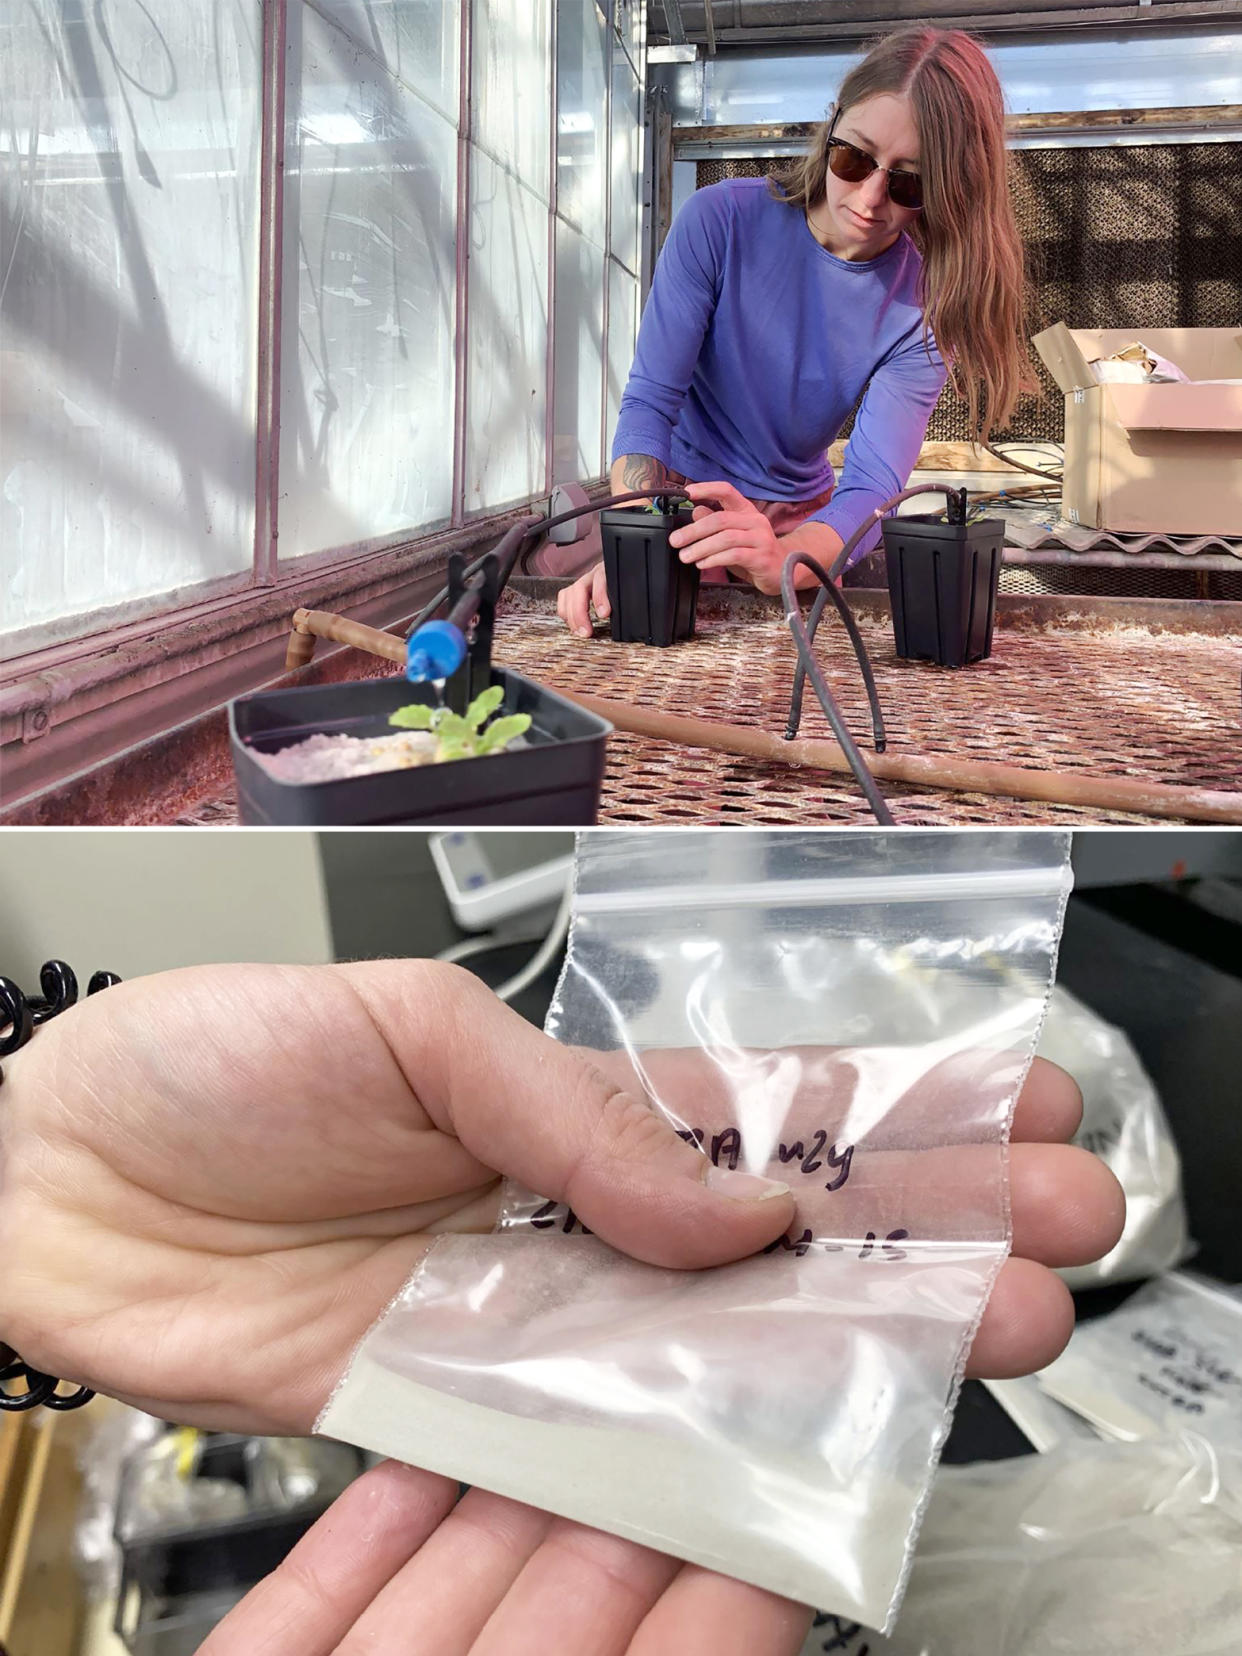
[552, 781]
[942, 583]
[652, 594]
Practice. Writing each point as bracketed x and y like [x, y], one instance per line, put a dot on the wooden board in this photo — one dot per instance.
[41, 1599]
[955, 457]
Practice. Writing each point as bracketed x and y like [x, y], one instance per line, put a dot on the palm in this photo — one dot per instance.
[214, 1181]
[216, 1206]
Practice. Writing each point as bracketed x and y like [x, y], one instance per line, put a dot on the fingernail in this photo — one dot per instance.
[742, 1187]
[675, 540]
[584, 632]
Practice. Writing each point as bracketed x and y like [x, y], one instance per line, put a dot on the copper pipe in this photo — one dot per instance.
[1049, 787]
[311, 624]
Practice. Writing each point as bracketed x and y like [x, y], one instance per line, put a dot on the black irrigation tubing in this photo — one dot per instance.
[509, 548]
[828, 589]
[809, 667]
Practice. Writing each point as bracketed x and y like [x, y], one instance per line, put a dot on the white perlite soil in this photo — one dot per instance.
[324, 758]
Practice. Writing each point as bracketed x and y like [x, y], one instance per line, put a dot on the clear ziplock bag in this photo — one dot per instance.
[1099, 1549]
[1169, 1358]
[852, 1013]
[1124, 1124]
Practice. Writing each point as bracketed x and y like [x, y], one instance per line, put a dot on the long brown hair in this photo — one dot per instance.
[974, 292]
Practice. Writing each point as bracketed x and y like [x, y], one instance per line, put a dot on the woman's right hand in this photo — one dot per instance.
[575, 602]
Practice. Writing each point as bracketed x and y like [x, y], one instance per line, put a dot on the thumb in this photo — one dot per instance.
[544, 1114]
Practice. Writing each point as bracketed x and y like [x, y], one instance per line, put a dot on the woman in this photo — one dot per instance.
[887, 251]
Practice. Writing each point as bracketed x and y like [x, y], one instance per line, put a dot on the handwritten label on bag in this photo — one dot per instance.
[812, 1157]
[1184, 1373]
[840, 1637]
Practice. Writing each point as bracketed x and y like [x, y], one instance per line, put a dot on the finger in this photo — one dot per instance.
[599, 593]
[724, 495]
[879, 1097]
[735, 558]
[729, 546]
[704, 1614]
[312, 1599]
[440, 1602]
[545, 1115]
[1049, 1107]
[592, 1589]
[1067, 1207]
[1026, 1323]
[712, 523]
[578, 607]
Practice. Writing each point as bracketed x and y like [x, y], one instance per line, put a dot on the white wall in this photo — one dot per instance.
[137, 900]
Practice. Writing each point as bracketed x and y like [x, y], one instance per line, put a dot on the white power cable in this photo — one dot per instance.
[469, 946]
[547, 950]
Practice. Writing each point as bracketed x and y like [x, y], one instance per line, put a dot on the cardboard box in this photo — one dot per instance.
[1164, 459]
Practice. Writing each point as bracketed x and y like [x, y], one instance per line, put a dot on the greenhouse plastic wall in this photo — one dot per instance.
[581, 239]
[130, 205]
[445, 178]
[369, 278]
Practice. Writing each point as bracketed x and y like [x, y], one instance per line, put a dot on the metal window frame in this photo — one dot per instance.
[549, 391]
[606, 313]
[465, 125]
[1214, 123]
[271, 252]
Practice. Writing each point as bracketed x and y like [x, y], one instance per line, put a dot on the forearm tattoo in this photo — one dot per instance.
[643, 471]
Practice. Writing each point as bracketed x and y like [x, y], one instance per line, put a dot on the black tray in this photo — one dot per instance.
[942, 583]
[553, 781]
[652, 594]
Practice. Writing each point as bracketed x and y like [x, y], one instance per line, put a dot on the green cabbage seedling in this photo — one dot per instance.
[462, 735]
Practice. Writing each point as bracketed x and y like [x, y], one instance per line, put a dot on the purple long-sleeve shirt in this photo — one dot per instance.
[755, 344]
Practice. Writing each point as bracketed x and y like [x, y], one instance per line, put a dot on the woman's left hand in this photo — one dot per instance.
[730, 532]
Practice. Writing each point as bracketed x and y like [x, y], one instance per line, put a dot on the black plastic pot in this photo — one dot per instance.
[552, 781]
[942, 583]
[652, 594]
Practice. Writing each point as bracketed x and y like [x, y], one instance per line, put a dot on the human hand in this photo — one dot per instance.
[399, 1567]
[575, 602]
[730, 533]
[215, 1179]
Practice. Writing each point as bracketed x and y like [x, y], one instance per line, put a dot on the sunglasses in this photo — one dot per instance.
[852, 166]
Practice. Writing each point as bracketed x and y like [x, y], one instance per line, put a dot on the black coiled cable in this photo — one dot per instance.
[20, 1016]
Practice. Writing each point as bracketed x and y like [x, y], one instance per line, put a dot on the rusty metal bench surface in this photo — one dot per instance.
[1111, 700]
